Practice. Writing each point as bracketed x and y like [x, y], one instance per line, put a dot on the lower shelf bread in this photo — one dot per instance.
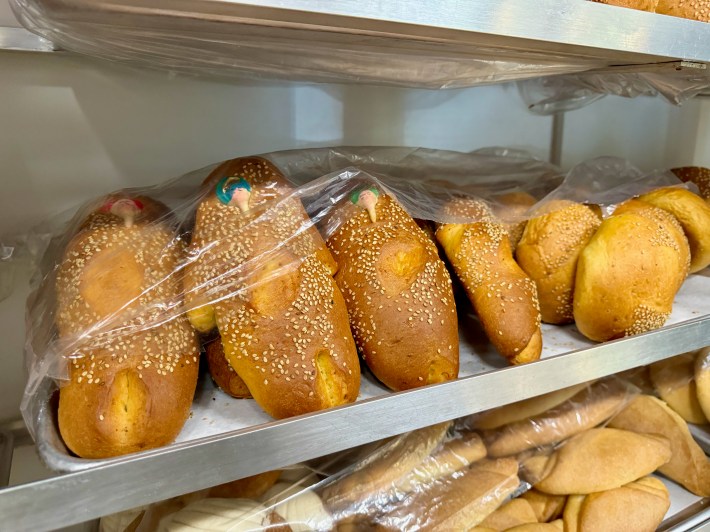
[621, 471]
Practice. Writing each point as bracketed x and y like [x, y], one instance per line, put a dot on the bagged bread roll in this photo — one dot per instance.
[688, 464]
[546, 507]
[548, 253]
[503, 296]
[629, 273]
[674, 380]
[133, 374]
[638, 506]
[695, 174]
[522, 410]
[216, 515]
[694, 216]
[303, 512]
[588, 408]
[456, 503]
[600, 460]
[398, 293]
[702, 379]
[261, 274]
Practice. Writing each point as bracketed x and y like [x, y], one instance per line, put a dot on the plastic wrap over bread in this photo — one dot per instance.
[282, 271]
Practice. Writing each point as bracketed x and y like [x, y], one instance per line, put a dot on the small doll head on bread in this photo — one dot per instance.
[235, 191]
[125, 208]
[367, 199]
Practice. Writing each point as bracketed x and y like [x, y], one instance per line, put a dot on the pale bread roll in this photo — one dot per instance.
[638, 506]
[217, 515]
[457, 503]
[451, 456]
[693, 213]
[545, 506]
[548, 253]
[304, 512]
[702, 379]
[688, 464]
[603, 459]
[613, 296]
[674, 380]
[514, 513]
[587, 409]
[498, 417]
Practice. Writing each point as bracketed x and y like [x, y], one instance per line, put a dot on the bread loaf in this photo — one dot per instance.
[698, 175]
[246, 488]
[398, 293]
[548, 253]
[133, 374]
[603, 459]
[702, 379]
[673, 379]
[588, 408]
[522, 410]
[457, 503]
[638, 506]
[539, 527]
[515, 205]
[694, 216]
[503, 296]
[688, 464]
[262, 275]
[222, 373]
[629, 273]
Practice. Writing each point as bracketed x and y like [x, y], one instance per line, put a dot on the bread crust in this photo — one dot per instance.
[503, 296]
[399, 296]
[127, 391]
[262, 276]
[548, 252]
[629, 273]
[222, 373]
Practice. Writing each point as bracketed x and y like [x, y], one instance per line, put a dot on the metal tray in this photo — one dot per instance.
[214, 413]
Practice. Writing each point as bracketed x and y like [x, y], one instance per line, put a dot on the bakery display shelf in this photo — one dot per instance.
[227, 439]
[687, 511]
[554, 36]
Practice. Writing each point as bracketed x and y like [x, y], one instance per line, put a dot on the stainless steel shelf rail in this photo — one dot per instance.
[156, 475]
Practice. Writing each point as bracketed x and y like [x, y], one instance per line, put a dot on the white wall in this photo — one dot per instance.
[71, 128]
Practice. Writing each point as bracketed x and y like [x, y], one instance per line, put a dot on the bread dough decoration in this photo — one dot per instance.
[124, 208]
[367, 199]
[235, 191]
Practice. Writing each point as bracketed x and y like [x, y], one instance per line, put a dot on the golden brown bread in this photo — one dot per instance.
[602, 459]
[398, 294]
[127, 391]
[262, 274]
[688, 464]
[695, 174]
[515, 205]
[246, 488]
[222, 373]
[457, 503]
[513, 513]
[674, 380]
[493, 419]
[639, 506]
[692, 9]
[503, 296]
[693, 213]
[588, 408]
[546, 507]
[548, 253]
[629, 273]
[702, 379]
[539, 527]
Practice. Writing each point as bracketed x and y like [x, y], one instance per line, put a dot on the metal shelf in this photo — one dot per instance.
[542, 37]
[189, 466]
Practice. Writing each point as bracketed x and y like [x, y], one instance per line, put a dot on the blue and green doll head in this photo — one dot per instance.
[367, 199]
[235, 191]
